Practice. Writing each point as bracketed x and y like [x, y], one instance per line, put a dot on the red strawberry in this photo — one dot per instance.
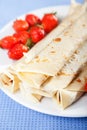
[37, 34]
[20, 25]
[17, 51]
[32, 19]
[8, 42]
[49, 22]
[22, 36]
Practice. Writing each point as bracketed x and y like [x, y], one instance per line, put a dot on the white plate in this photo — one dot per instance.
[47, 106]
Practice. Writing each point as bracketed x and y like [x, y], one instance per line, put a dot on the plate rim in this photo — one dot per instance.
[12, 95]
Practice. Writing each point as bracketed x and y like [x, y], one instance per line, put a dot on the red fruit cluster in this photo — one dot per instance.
[27, 33]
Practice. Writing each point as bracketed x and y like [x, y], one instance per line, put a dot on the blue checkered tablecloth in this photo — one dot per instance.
[14, 116]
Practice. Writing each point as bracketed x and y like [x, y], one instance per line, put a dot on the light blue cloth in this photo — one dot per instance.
[10, 9]
[14, 116]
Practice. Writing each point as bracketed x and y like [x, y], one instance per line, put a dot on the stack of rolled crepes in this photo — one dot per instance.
[56, 67]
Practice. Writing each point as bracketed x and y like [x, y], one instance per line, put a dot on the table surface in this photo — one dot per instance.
[14, 116]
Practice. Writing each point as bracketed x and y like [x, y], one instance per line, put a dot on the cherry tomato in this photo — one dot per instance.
[28, 32]
[86, 87]
[36, 33]
[32, 19]
[20, 25]
[22, 36]
[17, 51]
[8, 42]
[49, 22]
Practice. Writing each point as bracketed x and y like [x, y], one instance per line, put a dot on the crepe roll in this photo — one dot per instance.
[74, 91]
[32, 90]
[65, 98]
[10, 81]
[35, 98]
[78, 84]
[74, 6]
[69, 71]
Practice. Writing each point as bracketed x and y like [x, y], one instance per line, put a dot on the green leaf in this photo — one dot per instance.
[29, 43]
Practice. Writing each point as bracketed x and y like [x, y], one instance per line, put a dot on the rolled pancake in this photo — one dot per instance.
[67, 43]
[9, 80]
[74, 6]
[27, 77]
[35, 91]
[65, 98]
[62, 80]
[78, 84]
[29, 96]
[69, 71]
[28, 85]
[73, 14]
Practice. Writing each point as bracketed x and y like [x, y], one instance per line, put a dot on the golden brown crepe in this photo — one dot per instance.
[9, 80]
[78, 84]
[30, 96]
[66, 97]
[69, 71]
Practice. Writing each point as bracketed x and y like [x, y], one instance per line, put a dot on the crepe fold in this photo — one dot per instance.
[79, 83]
[9, 80]
[51, 68]
[28, 95]
[69, 70]
[66, 97]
